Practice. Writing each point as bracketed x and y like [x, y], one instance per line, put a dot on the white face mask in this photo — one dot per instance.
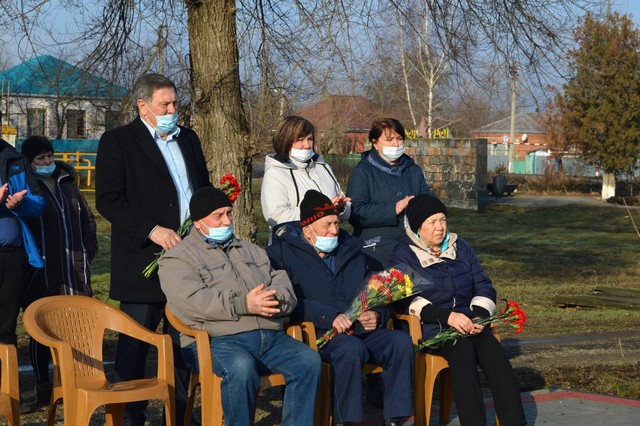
[302, 155]
[392, 153]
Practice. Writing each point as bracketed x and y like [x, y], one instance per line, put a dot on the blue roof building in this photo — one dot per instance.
[48, 96]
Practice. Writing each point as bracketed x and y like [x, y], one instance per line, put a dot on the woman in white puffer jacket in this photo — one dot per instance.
[294, 169]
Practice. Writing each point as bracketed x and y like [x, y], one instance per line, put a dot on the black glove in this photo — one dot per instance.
[480, 312]
[434, 314]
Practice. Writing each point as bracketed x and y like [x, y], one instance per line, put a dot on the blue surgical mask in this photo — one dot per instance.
[46, 170]
[445, 243]
[302, 155]
[220, 235]
[325, 244]
[392, 153]
[165, 123]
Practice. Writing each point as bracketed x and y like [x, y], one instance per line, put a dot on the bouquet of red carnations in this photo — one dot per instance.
[382, 288]
[230, 186]
[512, 314]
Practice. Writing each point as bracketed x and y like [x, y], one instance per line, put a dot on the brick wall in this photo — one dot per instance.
[456, 169]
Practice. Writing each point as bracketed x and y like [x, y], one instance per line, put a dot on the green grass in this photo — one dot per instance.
[534, 254]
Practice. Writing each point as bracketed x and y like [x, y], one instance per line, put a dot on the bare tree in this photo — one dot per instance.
[303, 48]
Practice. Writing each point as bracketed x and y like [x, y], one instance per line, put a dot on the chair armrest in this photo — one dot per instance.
[294, 330]
[308, 334]
[415, 327]
[123, 323]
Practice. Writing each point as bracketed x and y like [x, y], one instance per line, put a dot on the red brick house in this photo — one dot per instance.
[530, 135]
[342, 122]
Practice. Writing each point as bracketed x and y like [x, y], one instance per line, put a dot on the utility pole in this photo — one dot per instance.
[160, 47]
[512, 147]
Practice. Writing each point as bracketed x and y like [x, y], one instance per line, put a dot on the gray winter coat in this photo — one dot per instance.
[206, 287]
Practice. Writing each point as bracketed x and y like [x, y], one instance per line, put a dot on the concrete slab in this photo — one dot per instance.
[559, 407]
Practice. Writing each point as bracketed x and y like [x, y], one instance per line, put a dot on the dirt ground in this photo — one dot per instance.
[544, 362]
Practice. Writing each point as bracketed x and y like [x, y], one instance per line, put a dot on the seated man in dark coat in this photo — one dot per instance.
[327, 269]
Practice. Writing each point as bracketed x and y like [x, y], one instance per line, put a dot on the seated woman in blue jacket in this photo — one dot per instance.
[327, 269]
[458, 291]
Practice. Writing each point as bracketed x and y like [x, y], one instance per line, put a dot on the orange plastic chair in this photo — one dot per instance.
[73, 328]
[9, 388]
[427, 368]
[209, 382]
[323, 415]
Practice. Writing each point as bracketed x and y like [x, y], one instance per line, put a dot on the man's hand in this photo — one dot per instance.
[262, 302]
[342, 323]
[165, 237]
[463, 324]
[369, 320]
[14, 201]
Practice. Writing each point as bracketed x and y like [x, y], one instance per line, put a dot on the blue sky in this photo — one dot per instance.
[630, 6]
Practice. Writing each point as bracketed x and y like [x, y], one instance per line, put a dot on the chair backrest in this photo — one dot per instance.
[74, 327]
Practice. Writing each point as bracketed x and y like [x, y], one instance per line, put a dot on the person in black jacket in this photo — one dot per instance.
[66, 237]
[458, 292]
[380, 187]
[327, 269]
[146, 172]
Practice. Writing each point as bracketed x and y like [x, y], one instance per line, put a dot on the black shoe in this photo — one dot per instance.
[342, 424]
[398, 421]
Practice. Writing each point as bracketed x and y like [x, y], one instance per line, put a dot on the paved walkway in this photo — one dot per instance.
[559, 407]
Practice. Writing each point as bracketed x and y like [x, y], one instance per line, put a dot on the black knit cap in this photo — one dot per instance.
[35, 145]
[207, 200]
[315, 205]
[422, 207]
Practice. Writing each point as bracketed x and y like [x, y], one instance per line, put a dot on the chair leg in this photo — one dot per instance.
[14, 417]
[323, 414]
[211, 407]
[446, 396]
[114, 414]
[428, 395]
[193, 385]
[170, 412]
[53, 407]
[419, 392]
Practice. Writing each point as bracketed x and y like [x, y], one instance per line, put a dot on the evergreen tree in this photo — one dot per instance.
[602, 97]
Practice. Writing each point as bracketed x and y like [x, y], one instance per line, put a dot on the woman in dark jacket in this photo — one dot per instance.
[458, 291]
[66, 237]
[380, 187]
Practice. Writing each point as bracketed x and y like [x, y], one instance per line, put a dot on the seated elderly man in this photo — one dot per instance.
[226, 286]
[327, 269]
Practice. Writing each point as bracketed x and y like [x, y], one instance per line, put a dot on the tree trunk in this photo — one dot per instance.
[608, 185]
[219, 115]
